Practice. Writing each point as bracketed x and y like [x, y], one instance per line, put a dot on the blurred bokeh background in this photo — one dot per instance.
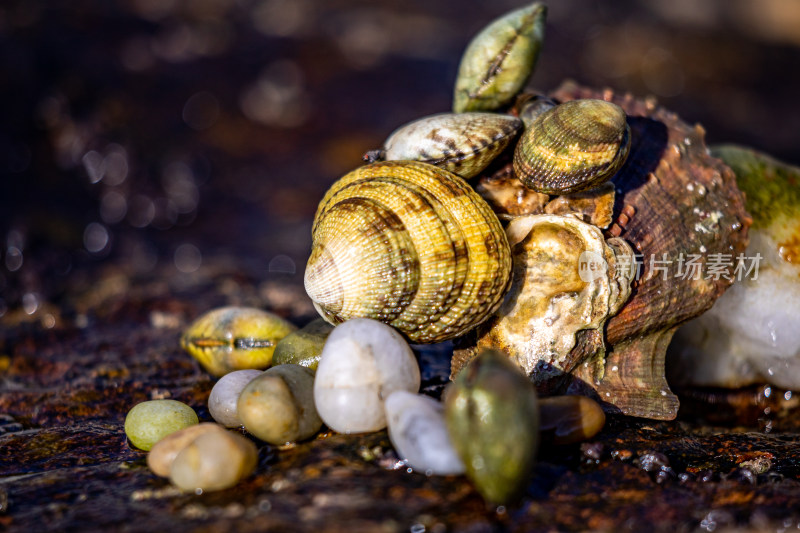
[188, 142]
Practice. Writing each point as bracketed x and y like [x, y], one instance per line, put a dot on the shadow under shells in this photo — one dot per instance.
[674, 203]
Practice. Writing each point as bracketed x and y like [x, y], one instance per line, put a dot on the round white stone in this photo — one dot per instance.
[362, 363]
[418, 432]
[225, 394]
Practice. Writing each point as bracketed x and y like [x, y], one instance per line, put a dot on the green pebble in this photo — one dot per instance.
[149, 422]
[304, 346]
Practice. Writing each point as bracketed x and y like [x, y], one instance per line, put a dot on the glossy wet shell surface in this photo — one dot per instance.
[463, 143]
[234, 338]
[411, 245]
[572, 147]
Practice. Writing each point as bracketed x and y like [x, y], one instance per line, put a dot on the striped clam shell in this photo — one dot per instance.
[572, 147]
[411, 245]
[463, 143]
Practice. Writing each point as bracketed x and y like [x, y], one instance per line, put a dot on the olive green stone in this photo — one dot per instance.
[149, 422]
[499, 60]
[304, 346]
[492, 416]
[278, 406]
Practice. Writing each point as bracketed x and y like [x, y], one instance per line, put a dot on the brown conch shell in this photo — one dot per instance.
[674, 202]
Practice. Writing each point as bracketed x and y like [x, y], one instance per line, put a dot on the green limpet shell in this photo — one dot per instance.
[492, 415]
[304, 346]
[499, 60]
[235, 338]
[572, 147]
[149, 422]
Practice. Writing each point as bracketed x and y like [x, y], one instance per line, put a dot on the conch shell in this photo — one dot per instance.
[673, 201]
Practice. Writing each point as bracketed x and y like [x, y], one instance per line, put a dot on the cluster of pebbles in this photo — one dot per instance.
[358, 377]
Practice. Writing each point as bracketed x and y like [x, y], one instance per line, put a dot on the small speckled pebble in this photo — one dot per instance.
[216, 460]
[225, 394]
[164, 452]
[278, 406]
[149, 422]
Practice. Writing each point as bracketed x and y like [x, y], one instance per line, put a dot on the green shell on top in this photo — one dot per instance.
[499, 60]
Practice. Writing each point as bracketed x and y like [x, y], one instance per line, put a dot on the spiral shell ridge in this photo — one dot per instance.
[411, 245]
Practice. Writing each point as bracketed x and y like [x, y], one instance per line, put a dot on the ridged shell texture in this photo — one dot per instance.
[572, 147]
[411, 245]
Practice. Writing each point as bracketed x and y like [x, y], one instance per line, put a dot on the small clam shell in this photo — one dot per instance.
[167, 449]
[572, 147]
[362, 363]
[304, 346]
[215, 460]
[149, 422]
[463, 143]
[278, 406]
[418, 433]
[499, 60]
[225, 394]
[493, 418]
[234, 338]
[411, 245]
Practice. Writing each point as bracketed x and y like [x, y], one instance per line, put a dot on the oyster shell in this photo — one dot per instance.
[565, 279]
[673, 199]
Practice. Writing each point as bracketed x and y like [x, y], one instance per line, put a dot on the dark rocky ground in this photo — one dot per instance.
[159, 159]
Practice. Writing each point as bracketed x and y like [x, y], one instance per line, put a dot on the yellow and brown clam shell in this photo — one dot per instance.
[572, 147]
[411, 245]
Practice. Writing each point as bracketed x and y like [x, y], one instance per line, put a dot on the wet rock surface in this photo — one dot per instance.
[65, 462]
